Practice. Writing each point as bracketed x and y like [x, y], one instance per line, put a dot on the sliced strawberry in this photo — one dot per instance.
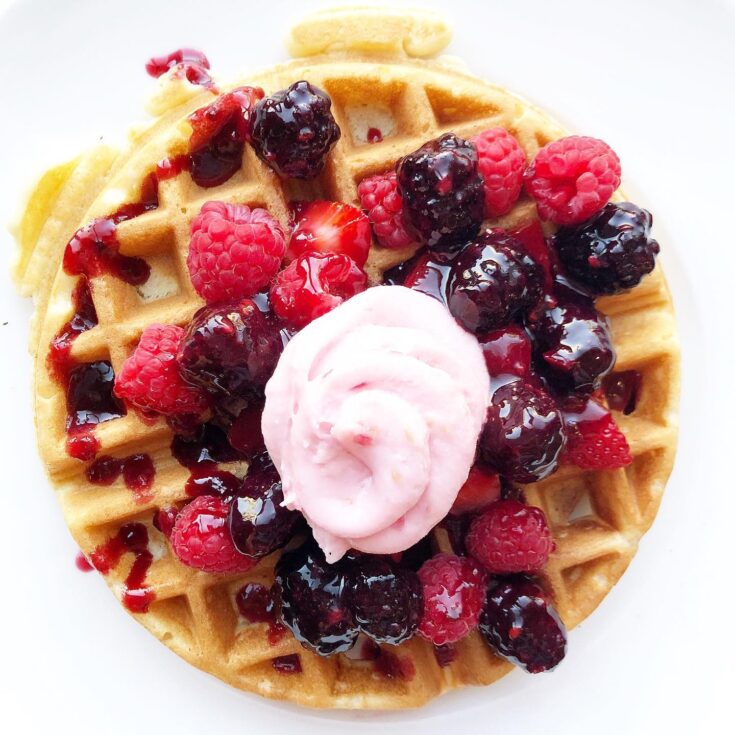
[231, 108]
[594, 441]
[535, 245]
[330, 227]
[479, 490]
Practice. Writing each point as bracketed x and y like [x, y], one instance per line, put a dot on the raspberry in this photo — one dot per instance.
[501, 161]
[594, 440]
[314, 284]
[510, 537]
[572, 178]
[150, 378]
[454, 590]
[611, 252]
[492, 282]
[201, 538]
[234, 251]
[524, 435]
[293, 130]
[330, 227]
[521, 625]
[313, 605]
[442, 192]
[230, 349]
[385, 598]
[379, 197]
[479, 490]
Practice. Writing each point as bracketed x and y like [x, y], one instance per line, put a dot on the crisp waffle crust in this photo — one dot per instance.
[597, 518]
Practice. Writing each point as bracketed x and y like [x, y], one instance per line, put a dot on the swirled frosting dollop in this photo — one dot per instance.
[372, 418]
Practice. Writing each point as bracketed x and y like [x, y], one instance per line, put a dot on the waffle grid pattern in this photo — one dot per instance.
[597, 517]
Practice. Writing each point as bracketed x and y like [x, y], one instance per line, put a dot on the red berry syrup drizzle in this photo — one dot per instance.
[89, 401]
[621, 390]
[187, 62]
[84, 317]
[132, 537]
[200, 455]
[94, 249]
[218, 137]
[386, 663]
[256, 604]
[82, 563]
[374, 135]
[290, 664]
[137, 471]
[445, 654]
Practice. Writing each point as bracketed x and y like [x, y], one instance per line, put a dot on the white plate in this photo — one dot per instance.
[654, 80]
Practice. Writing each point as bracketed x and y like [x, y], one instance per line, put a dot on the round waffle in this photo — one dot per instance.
[373, 67]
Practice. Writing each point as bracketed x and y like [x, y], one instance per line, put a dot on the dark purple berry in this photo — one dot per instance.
[259, 524]
[293, 130]
[492, 282]
[386, 600]
[610, 252]
[442, 192]
[574, 342]
[520, 623]
[524, 433]
[230, 349]
[313, 604]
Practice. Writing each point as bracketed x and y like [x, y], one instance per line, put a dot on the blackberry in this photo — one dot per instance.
[523, 436]
[492, 282]
[521, 625]
[259, 524]
[610, 252]
[573, 341]
[442, 192]
[385, 599]
[293, 130]
[230, 349]
[313, 604]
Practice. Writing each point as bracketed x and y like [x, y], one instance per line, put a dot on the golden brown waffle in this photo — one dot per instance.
[597, 518]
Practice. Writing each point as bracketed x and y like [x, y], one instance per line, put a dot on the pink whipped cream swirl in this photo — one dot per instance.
[372, 418]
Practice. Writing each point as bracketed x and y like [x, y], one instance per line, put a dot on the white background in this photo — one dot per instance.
[654, 79]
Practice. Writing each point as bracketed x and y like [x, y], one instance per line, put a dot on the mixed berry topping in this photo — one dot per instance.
[259, 522]
[510, 537]
[230, 349]
[572, 178]
[573, 342]
[527, 298]
[294, 130]
[379, 197]
[594, 440]
[520, 624]
[385, 598]
[314, 284]
[200, 537]
[501, 162]
[234, 251]
[151, 379]
[453, 591]
[329, 227]
[313, 602]
[492, 282]
[218, 137]
[442, 192]
[610, 252]
[524, 434]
